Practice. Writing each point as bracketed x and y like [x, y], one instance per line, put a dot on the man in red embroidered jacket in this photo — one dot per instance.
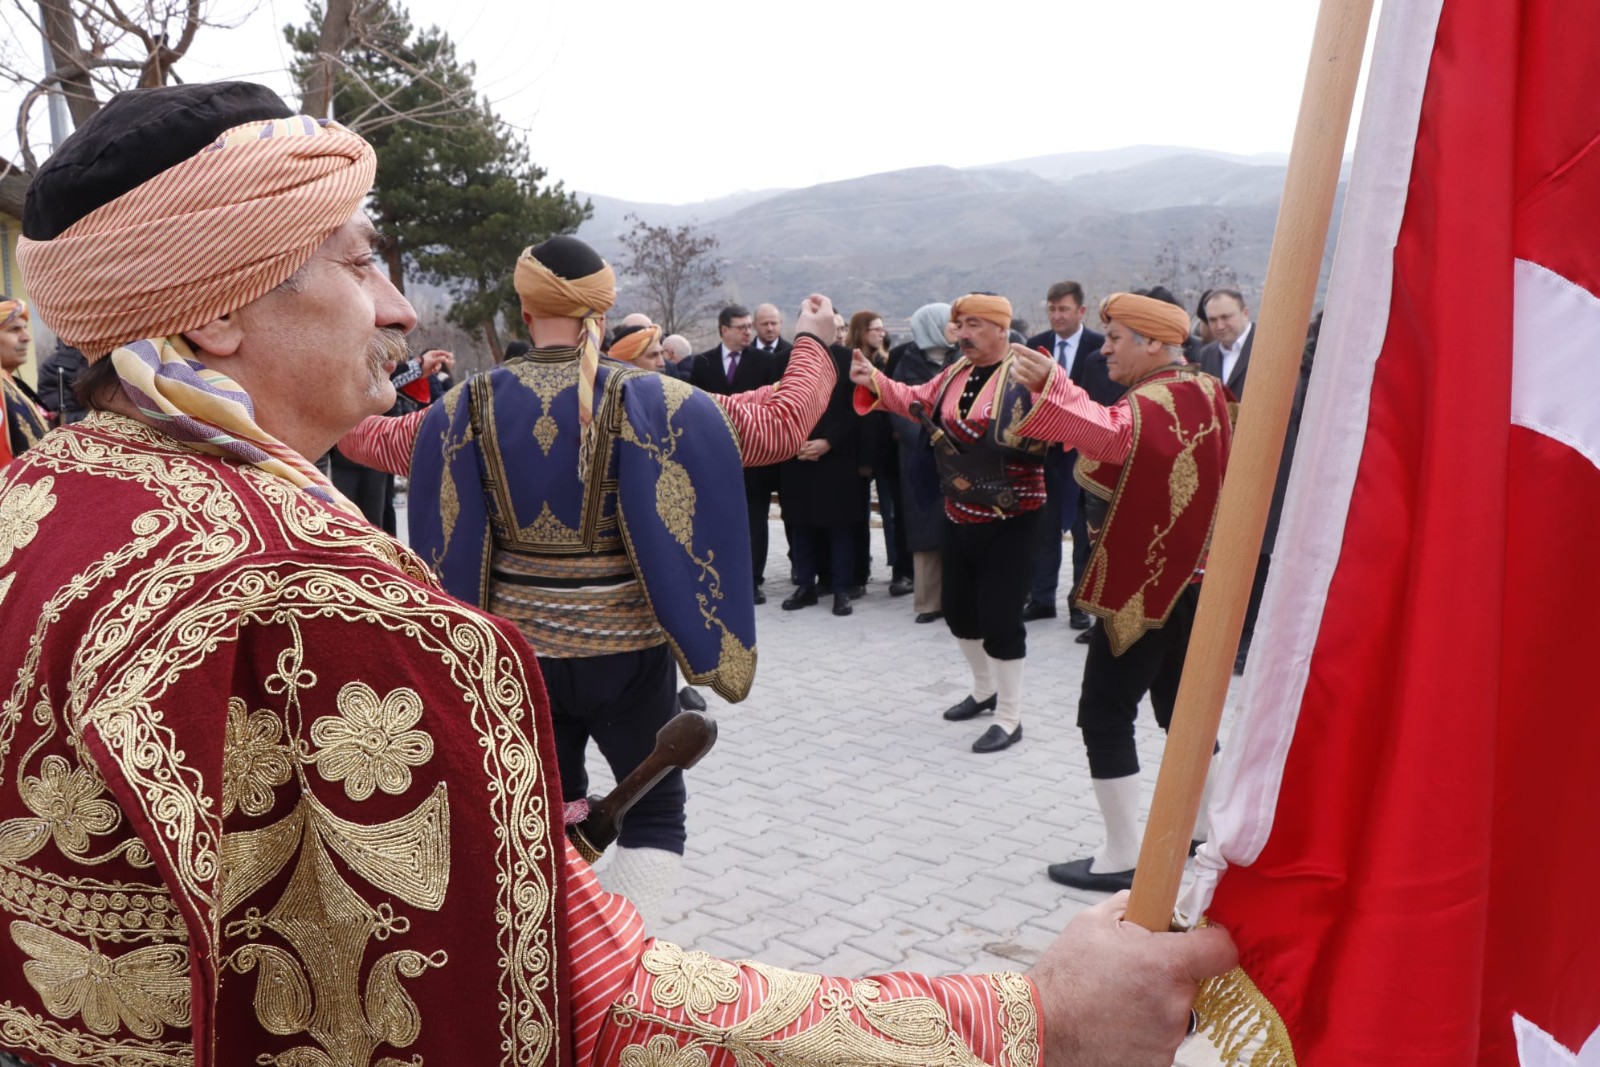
[267, 794]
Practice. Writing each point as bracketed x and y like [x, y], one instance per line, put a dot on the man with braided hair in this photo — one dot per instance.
[267, 793]
[602, 572]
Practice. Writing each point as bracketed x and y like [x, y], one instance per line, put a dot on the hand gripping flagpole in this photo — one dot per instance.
[1292, 271]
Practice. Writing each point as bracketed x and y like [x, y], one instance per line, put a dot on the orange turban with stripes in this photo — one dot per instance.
[995, 309]
[12, 310]
[1155, 319]
[635, 344]
[202, 238]
[563, 293]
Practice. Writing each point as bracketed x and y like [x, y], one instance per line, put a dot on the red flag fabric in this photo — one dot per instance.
[1405, 843]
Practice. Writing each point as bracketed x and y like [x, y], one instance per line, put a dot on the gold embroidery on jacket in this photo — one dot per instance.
[1019, 1019]
[910, 1031]
[370, 743]
[143, 990]
[253, 761]
[316, 988]
[140, 644]
[675, 506]
[22, 508]
[20, 1028]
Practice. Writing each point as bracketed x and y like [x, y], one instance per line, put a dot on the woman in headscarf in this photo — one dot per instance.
[921, 514]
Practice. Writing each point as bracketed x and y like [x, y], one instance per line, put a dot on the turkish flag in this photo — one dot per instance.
[1407, 815]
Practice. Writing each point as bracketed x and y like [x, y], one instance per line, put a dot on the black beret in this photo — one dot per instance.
[135, 136]
[568, 257]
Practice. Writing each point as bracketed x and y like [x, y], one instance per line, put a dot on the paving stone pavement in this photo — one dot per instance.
[841, 826]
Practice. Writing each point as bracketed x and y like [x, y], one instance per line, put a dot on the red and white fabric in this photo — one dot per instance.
[1403, 831]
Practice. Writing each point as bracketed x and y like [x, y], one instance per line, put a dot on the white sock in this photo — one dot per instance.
[1202, 821]
[1007, 675]
[978, 660]
[1119, 809]
[646, 876]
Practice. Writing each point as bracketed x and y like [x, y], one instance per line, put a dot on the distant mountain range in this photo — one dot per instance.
[1137, 216]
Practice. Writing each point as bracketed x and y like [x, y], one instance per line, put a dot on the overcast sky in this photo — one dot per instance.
[678, 103]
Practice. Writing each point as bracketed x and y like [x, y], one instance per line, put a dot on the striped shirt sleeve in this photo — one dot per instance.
[1066, 415]
[774, 421]
[639, 1000]
[383, 443]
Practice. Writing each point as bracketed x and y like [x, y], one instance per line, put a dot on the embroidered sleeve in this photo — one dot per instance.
[383, 443]
[1066, 415]
[646, 1003]
[773, 421]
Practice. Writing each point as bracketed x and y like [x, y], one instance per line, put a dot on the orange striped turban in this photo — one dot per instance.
[11, 311]
[199, 239]
[1145, 315]
[565, 279]
[634, 344]
[995, 309]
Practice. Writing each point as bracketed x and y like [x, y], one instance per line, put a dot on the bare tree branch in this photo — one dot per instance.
[101, 47]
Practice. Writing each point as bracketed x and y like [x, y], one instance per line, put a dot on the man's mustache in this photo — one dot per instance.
[966, 342]
[388, 345]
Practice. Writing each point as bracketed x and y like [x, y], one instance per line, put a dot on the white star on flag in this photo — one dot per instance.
[1535, 1048]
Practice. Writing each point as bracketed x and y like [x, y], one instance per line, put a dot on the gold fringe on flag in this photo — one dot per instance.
[1237, 1018]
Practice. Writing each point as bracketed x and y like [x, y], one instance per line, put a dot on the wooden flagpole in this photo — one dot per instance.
[1286, 301]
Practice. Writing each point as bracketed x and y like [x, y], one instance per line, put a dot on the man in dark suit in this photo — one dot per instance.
[1228, 355]
[769, 335]
[737, 366]
[1076, 348]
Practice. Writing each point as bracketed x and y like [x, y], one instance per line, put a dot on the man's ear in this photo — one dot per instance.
[220, 337]
[527, 319]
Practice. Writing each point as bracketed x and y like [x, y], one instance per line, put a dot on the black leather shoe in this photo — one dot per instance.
[803, 597]
[841, 604]
[1032, 611]
[929, 616]
[1083, 638]
[1078, 619]
[761, 598]
[1076, 874]
[857, 592]
[900, 587]
[995, 738]
[969, 708]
